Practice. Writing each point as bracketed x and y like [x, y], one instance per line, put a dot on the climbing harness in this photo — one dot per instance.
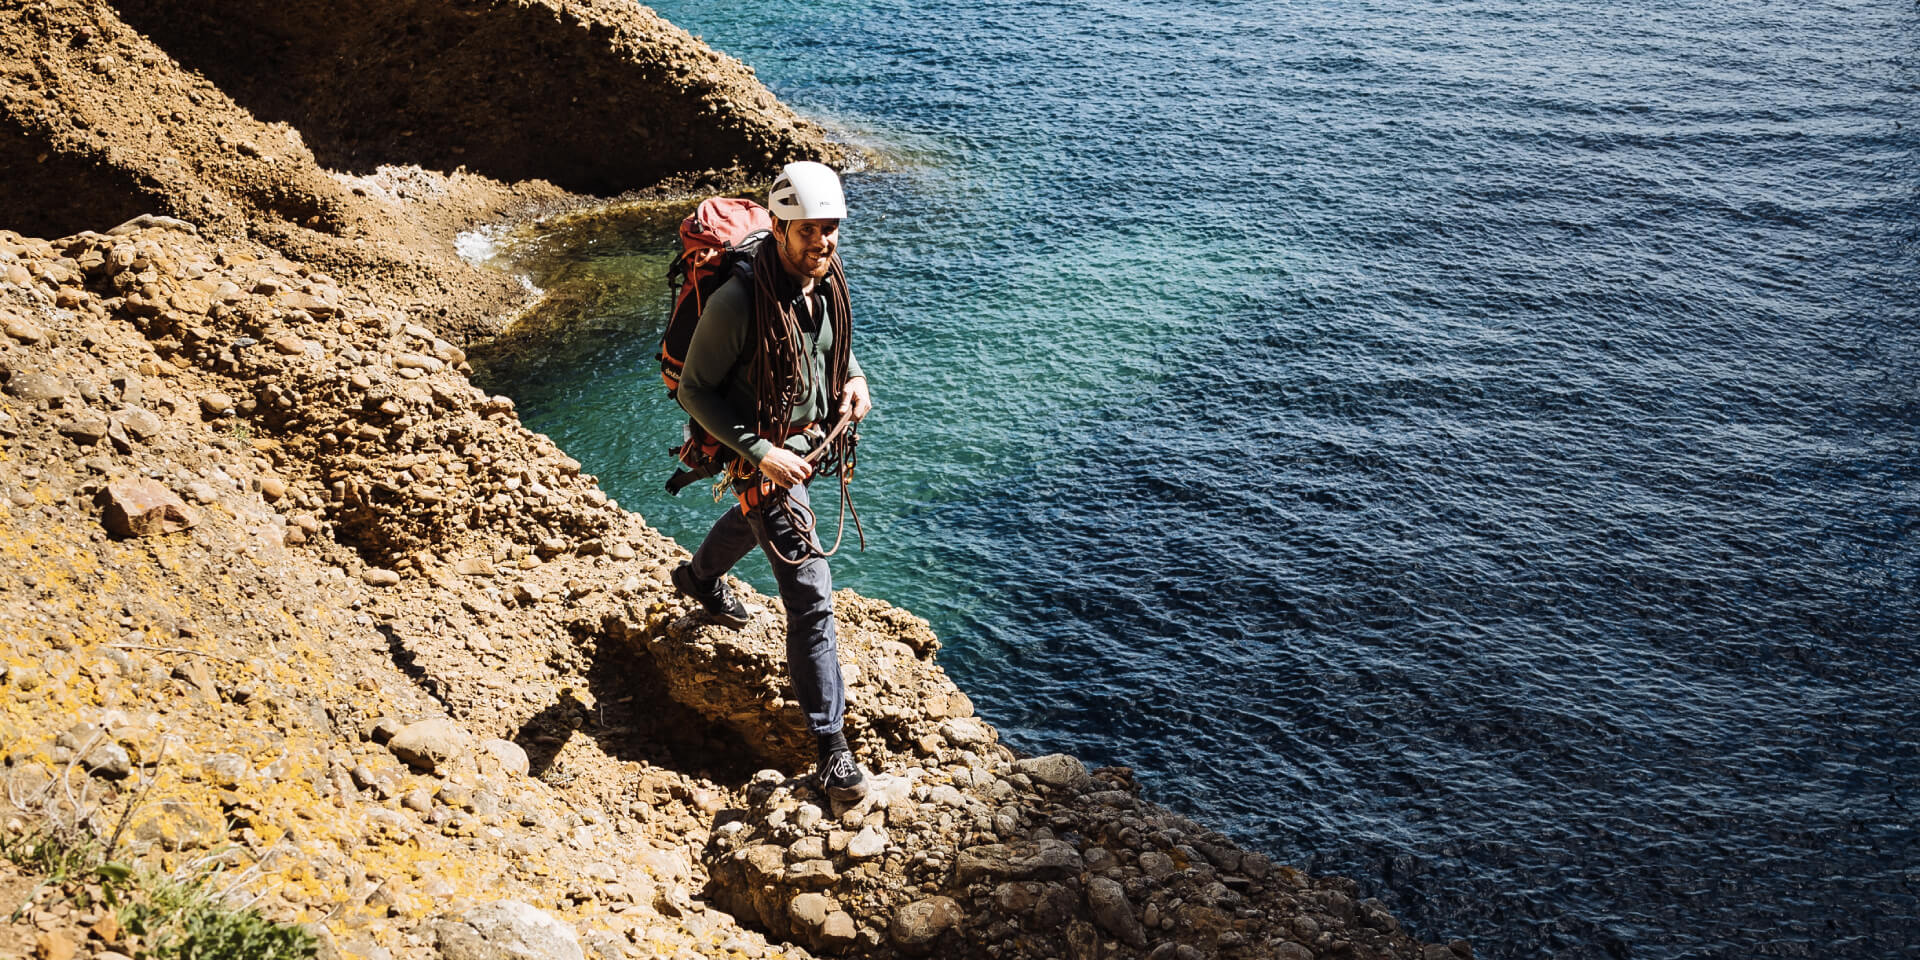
[778, 373]
[836, 452]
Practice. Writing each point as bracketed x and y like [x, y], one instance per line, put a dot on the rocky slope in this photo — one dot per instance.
[281, 588]
[104, 123]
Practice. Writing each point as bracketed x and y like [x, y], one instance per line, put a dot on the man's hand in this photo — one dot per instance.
[854, 400]
[784, 467]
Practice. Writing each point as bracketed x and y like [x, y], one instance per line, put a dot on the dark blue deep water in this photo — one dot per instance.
[1466, 446]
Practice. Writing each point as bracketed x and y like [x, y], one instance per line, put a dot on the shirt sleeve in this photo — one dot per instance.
[718, 343]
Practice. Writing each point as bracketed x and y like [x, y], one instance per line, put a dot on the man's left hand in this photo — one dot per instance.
[854, 401]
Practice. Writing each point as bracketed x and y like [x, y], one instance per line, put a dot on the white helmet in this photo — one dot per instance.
[807, 190]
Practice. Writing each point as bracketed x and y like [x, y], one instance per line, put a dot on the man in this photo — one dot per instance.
[768, 367]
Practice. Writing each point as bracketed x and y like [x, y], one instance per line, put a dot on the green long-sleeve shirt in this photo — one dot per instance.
[714, 386]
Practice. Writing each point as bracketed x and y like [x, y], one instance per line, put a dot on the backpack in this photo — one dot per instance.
[720, 235]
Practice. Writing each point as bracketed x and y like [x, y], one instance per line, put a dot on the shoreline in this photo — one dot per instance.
[405, 661]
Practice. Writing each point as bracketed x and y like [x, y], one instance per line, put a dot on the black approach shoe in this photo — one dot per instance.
[715, 598]
[841, 777]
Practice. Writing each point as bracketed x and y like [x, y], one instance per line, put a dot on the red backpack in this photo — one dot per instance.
[722, 233]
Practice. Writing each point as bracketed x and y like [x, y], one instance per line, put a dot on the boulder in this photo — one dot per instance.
[917, 926]
[35, 387]
[965, 731]
[139, 507]
[178, 825]
[513, 758]
[1108, 903]
[1056, 770]
[870, 842]
[506, 930]
[85, 428]
[432, 745]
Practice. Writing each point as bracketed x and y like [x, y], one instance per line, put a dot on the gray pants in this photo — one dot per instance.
[813, 653]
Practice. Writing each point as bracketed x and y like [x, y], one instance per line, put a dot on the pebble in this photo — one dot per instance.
[1157, 865]
[806, 817]
[225, 769]
[812, 873]
[53, 945]
[379, 577]
[809, 911]
[964, 731]
[178, 825]
[1057, 770]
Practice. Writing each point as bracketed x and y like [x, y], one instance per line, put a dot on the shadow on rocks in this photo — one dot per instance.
[633, 719]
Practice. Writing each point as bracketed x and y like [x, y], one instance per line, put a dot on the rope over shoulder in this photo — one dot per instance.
[780, 378]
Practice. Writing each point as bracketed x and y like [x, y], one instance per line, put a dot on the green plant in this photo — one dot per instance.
[180, 917]
[57, 855]
[190, 920]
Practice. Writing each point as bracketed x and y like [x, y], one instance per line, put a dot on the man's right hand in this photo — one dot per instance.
[784, 467]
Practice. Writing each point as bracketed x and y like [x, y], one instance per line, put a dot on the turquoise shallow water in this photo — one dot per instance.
[1467, 446]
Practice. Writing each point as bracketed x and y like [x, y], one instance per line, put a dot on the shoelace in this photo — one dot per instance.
[840, 766]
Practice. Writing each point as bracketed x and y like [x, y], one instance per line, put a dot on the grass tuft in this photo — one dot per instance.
[164, 917]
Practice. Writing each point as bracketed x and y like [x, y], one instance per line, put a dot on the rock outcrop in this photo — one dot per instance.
[303, 126]
[418, 662]
[597, 96]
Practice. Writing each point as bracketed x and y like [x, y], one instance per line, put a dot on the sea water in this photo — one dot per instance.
[1467, 446]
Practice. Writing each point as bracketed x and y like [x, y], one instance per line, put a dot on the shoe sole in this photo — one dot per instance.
[727, 621]
[853, 794]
